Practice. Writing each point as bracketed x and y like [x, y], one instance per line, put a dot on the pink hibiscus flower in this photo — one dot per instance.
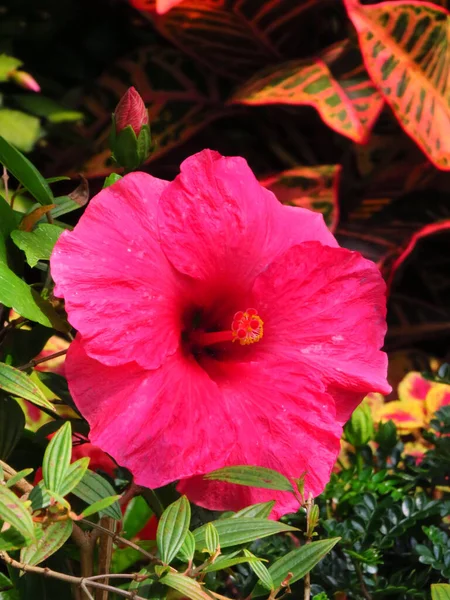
[216, 327]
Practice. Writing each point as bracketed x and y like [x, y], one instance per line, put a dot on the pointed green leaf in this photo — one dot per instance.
[12, 424]
[53, 537]
[74, 475]
[187, 550]
[94, 487]
[8, 64]
[38, 244]
[18, 383]
[186, 586]
[440, 591]
[229, 560]
[14, 512]
[111, 179]
[211, 538]
[57, 459]
[260, 477]
[241, 531]
[260, 570]
[100, 505]
[39, 497]
[19, 128]
[259, 511]
[25, 172]
[11, 539]
[298, 562]
[17, 477]
[172, 529]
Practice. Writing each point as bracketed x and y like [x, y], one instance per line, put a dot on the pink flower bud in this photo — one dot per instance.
[131, 110]
[25, 80]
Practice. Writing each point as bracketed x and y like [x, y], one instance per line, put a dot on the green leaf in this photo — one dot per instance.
[74, 475]
[25, 172]
[12, 424]
[172, 529]
[187, 550]
[186, 586]
[16, 294]
[14, 512]
[298, 562]
[137, 513]
[20, 129]
[92, 488]
[111, 179]
[46, 108]
[440, 591]
[8, 64]
[53, 537]
[241, 531]
[229, 560]
[260, 510]
[38, 244]
[212, 538]
[19, 384]
[8, 222]
[18, 476]
[100, 505]
[260, 570]
[39, 497]
[11, 539]
[57, 457]
[252, 476]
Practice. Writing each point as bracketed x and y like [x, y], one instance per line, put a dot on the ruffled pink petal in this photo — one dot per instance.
[121, 293]
[325, 308]
[162, 425]
[286, 422]
[218, 223]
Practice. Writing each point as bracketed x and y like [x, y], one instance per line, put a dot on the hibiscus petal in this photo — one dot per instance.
[120, 290]
[287, 423]
[217, 222]
[326, 307]
[161, 424]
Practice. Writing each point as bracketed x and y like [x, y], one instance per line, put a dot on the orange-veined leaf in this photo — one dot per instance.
[235, 37]
[405, 50]
[309, 187]
[334, 83]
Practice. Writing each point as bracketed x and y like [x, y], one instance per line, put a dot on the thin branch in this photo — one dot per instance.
[78, 581]
[105, 551]
[359, 573]
[120, 540]
[22, 485]
[307, 579]
[38, 361]
[5, 178]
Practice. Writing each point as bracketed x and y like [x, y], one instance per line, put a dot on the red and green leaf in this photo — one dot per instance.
[405, 50]
[315, 188]
[181, 99]
[334, 83]
[237, 37]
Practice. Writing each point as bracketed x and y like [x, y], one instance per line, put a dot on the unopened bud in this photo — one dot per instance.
[130, 134]
[359, 430]
[25, 80]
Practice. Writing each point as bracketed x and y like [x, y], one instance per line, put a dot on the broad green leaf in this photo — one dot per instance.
[405, 50]
[16, 294]
[8, 64]
[187, 550]
[12, 424]
[256, 511]
[57, 457]
[25, 172]
[172, 529]
[240, 531]
[260, 570]
[111, 180]
[11, 539]
[8, 222]
[17, 477]
[440, 591]
[92, 488]
[186, 586]
[53, 537]
[18, 383]
[14, 512]
[19, 129]
[298, 562]
[100, 505]
[38, 244]
[260, 477]
[226, 561]
[136, 515]
[39, 497]
[211, 538]
[46, 108]
[74, 474]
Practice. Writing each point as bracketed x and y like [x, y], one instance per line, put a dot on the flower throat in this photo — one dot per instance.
[246, 328]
